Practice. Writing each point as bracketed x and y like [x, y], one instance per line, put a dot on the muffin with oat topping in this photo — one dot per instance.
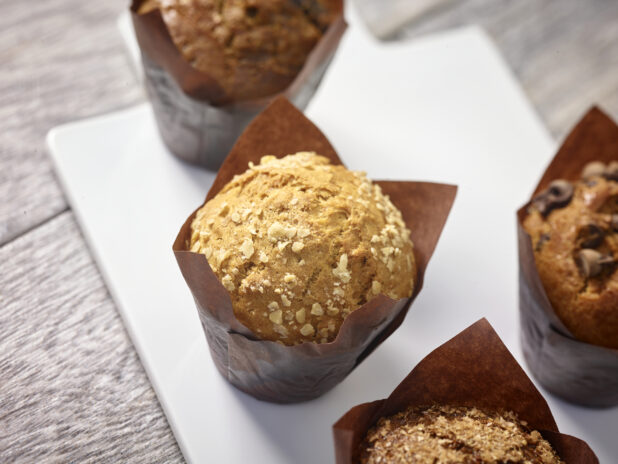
[211, 66]
[574, 233]
[300, 243]
[447, 434]
[252, 48]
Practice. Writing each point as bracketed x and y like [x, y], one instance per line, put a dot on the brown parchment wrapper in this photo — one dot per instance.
[268, 370]
[197, 121]
[473, 369]
[576, 371]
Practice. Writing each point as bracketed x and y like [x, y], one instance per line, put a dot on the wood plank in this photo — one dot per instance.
[72, 388]
[64, 60]
[564, 52]
[61, 60]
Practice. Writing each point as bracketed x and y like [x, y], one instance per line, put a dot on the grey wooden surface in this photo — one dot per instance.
[71, 385]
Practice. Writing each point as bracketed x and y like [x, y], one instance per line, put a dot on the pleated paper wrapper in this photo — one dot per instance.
[576, 371]
[271, 371]
[473, 369]
[197, 121]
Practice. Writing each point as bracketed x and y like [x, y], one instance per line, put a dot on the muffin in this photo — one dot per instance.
[210, 66]
[467, 401]
[448, 434]
[299, 232]
[252, 48]
[574, 231]
[300, 243]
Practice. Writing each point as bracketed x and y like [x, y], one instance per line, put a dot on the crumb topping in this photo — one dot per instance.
[252, 48]
[445, 434]
[300, 243]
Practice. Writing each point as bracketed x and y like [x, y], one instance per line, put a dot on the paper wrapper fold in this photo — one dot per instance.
[197, 121]
[270, 371]
[576, 371]
[473, 369]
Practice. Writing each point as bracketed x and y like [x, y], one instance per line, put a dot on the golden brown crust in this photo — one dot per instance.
[448, 434]
[300, 243]
[252, 48]
[584, 298]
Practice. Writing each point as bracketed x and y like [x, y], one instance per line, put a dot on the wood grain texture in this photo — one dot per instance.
[564, 52]
[61, 60]
[71, 386]
[64, 60]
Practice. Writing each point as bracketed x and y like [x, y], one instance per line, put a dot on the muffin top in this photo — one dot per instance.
[300, 243]
[252, 48]
[448, 434]
[574, 232]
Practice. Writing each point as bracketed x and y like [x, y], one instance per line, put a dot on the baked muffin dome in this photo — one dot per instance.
[300, 243]
[447, 434]
[574, 232]
[252, 48]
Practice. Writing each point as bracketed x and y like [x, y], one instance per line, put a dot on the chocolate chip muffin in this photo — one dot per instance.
[448, 434]
[574, 232]
[300, 243]
[252, 48]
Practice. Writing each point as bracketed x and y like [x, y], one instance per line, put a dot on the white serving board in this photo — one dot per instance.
[443, 108]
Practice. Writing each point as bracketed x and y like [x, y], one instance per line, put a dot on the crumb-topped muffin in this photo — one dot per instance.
[574, 232]
[252, 48]
[300, 243]
[446, 434]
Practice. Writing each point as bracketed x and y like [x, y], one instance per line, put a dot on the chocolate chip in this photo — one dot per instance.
[557, 195]
[611, 171]
[590, 236]
[561, 190]
[615, 222]
[588, 262]
[542, 239]
[591, 262]
[593, 169]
